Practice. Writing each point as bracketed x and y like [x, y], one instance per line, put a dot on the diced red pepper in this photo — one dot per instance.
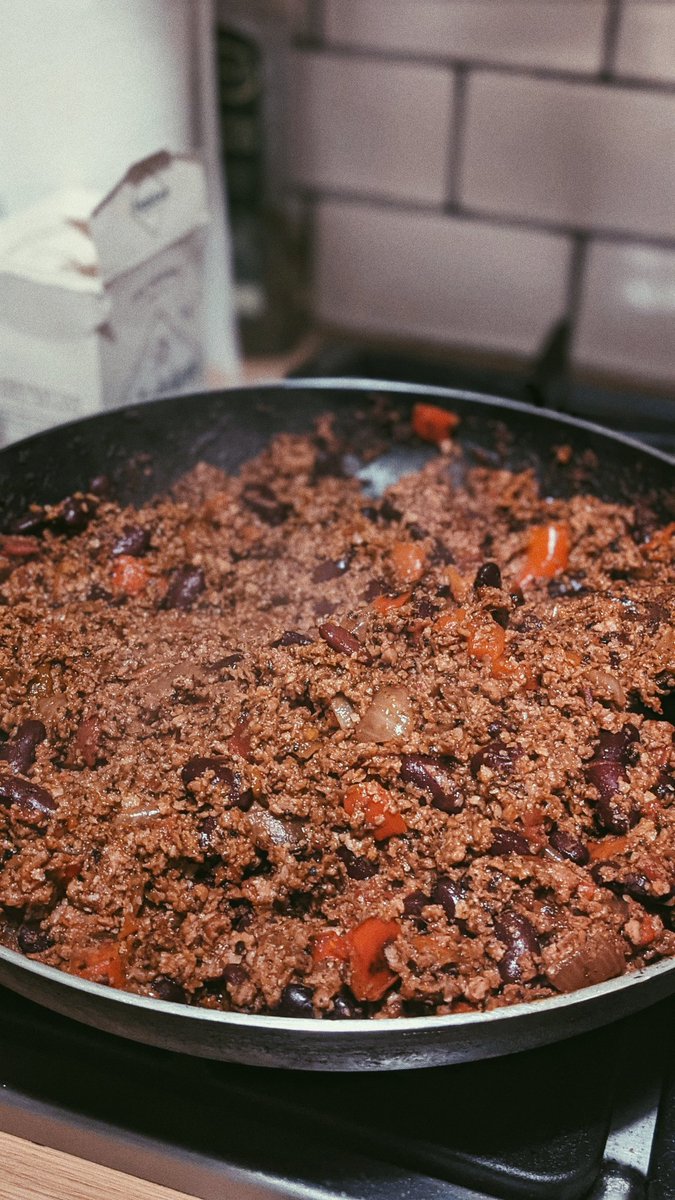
[385, 604]
[409, 561]
[607, 848]
[129, 577]
[432, 423]
[371, 975]
[331, 945]
[373, 802]
[101, 964]
[548, 552]
[239, 741]
[487, 641]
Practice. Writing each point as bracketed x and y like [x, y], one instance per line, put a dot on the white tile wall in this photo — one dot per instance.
[571, 153]
[539, 33]
[627, 321]
[376, 127]
[646, 47]
[436, 278]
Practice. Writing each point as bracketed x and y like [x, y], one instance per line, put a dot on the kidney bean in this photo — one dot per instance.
[330, 569]
[613, 817]
[415, 902]
[496, 755]
[516, 932]
[441, 555]
[19, 751]
[34, 804]
[605, 772]
[207, 829]
[508, 841]
[33, 940]
[133, 541]
[185, 585]
[266, 504]
[345, 1007]
[234, 975]
[431, 773]
[31, 522]
[664, 787]
[74, 514]
[389, 512]
[569, 846]
[291, 637]
[99, 485]
[357, 866]
[339, 639]
[447, 892]
[238, 795]
[296, 1001]
[501, 615]
[165, 988]
[488, 575]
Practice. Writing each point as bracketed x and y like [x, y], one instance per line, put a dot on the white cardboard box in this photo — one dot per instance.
[101, 298]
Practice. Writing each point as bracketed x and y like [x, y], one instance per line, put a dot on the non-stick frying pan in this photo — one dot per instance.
[144, 450]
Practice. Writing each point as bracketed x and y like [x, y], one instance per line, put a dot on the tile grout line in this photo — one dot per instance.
[457, 138]
[610, 39]
[377, 200]
[596, 79]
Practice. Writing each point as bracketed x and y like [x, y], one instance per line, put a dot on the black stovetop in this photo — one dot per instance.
[531, 1125]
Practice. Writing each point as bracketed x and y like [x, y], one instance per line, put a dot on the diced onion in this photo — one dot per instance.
[388, 716]
[345, 715]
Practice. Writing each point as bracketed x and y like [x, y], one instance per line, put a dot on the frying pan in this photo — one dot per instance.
[144, 450]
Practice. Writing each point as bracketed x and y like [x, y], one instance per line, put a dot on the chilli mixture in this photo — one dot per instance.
[272, 746]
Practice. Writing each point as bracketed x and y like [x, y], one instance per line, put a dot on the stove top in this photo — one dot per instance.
[591, 1118]
[546, 382]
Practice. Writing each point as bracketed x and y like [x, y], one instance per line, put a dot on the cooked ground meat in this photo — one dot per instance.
[274, 746]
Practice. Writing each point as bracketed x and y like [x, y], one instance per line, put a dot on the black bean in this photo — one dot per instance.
[291, 637]
[432, 774]
[569, 586]
[34, 804]
[488, 575]
[424, 608]
[239, 796]
[266, 504]
[19, 751]
[357, 866]
[296, 1001]
[33, 940]
[185, 585]
[569, 846]
[508, 841]
[414, 903]
[96, 592]
[447, 892]
[339, 639]
[165, 988]
[516, 596]
[345, 1007]
[330, 569]
[242, 916]
[496, 755]
[133, 541]
[501, 615]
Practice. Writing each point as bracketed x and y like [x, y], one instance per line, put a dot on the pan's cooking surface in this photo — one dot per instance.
[145, 450]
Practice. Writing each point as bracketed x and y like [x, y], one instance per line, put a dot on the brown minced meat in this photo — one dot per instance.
[272, 746]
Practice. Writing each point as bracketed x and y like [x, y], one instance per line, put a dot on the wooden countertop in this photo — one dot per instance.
[32, 1172]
